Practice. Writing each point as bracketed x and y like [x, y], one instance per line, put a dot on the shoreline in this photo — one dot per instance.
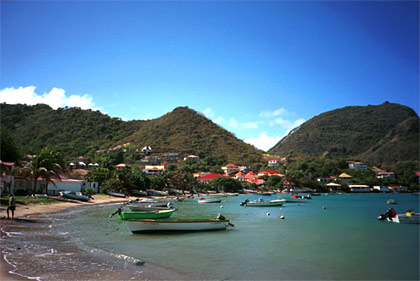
[25, 212]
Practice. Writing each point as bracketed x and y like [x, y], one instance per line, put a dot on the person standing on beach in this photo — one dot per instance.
[11, 206]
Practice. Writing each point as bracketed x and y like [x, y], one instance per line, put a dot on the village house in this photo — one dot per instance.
[151, 159]
[346, 178]
[332, 186]
[327, 180]
[381, 188]
[230, 169]
[274, 162]
[398, 189]
[192, 157]
[146, 150]
[209, 177]
[155, 169]
[359, 188]
[170, 157]
[240, 176]
[385, 175]
[357, 165]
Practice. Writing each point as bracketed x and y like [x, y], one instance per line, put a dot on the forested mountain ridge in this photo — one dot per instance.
[379, 134]
[80, 132]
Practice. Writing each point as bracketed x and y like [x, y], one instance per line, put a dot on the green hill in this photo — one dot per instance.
[80, 132]
[385, 132]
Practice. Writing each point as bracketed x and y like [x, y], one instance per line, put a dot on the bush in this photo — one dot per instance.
[89, 191]
[104, 189]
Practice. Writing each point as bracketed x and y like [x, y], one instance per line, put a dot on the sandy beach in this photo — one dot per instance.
[25, 212]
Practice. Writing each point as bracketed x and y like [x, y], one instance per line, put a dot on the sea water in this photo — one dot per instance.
[329, 237]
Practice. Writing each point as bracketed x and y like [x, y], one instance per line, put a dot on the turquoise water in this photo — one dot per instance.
[344, 240]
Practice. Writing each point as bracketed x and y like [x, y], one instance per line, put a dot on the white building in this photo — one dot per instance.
[360, 188]
[381, 188]
[358, 166]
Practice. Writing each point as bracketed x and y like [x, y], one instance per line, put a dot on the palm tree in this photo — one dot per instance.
[48, 164]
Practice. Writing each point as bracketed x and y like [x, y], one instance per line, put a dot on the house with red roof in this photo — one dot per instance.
[274, 162]
[251, 176]
[240, 176]
[385, 175]
[208, 178]
[398, 189]
[230, 169]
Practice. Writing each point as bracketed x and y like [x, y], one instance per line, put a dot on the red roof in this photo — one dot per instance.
[275, 159]
[395, 187]
[272, 172]
[231, 165]
[418, 174]
[385, 173]
[7, 163]
[210, 177]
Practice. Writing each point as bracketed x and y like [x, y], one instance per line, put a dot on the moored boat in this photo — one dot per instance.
[407, 218]
[146, 214]
[162, 225]
[139, 205]
[209, 200]
[115, 194]
[392, 201]
[263, 203]
[74, 195]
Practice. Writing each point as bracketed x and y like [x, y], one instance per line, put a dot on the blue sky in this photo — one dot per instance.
[257, 69]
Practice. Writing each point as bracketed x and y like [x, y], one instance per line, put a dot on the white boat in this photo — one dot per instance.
[162, 225]
[407, 218]
[209, 200]
[139, 205]
[262, 203]
[293, 200]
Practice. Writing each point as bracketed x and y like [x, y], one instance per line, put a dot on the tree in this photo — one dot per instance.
[226, 184]
[49, 165]
[8, 149]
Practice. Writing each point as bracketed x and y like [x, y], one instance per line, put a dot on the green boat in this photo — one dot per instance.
[157, 214]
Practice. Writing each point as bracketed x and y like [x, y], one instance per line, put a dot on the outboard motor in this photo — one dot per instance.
[390, 213]
[244, 202]
[220, 217]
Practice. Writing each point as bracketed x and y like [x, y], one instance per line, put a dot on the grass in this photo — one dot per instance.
[23, 200]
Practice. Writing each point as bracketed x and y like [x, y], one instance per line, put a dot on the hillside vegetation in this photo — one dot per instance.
[80, 132]
[379, 134]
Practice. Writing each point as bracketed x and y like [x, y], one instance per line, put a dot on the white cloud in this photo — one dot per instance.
[250, 125]
[233, 123]
[263, 141]
[274, 113]
[295, 124]
[148, 116]
[218, 120]
[55, 98]
[208, 112]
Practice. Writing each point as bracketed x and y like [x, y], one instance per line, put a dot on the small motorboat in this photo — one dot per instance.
[147, 214]
[391, 201]
[115, 194]
[209, 200]
[409, 217]
[169, 225]
[263, 203]
[74, 195]
[139, 205]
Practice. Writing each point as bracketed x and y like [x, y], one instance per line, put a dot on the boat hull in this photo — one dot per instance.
[271, 203]
[146, 214]
[139, 206]
[413, 219]
[71, 195]
[164, 225]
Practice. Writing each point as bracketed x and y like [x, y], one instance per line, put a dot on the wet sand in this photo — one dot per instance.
[24, 214]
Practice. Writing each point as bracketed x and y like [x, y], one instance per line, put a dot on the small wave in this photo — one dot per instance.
[119, 256]
[15, 273]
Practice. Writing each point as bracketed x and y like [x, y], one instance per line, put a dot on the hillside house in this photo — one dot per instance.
[332, 186]
[359, 188]
[240, 176]
[274, 162]
[398, 189]
[192, 157]
[209, 177]
[346, 178]
[151, 159]
[155, 169]
[170, 157]
[385, 175]
[146, 150]
[327, 180]
[358, 166]
[230, 169]
[381, 188]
